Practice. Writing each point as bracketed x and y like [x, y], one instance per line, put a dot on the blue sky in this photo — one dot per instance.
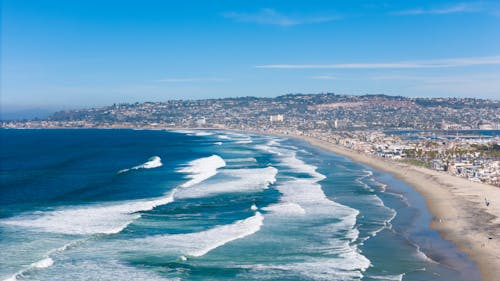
[91, 53]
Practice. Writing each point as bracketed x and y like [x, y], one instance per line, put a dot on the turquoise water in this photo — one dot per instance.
[206, 205]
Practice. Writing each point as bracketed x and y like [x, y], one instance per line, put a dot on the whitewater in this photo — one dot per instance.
[202, 204]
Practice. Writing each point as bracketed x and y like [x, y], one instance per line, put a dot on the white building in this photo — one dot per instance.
[276, 118]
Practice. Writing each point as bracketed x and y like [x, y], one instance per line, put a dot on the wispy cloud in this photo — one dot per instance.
[440, 78]
[191, 79]
[487, 84]
[437, 63]
[464, 7]
[272, 17]
[324, 77]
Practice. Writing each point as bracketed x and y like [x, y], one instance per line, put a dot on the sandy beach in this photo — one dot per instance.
[458, 205]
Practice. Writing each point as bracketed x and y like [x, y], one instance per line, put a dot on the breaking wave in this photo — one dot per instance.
[200, 243]
[303, 196]
[201, 169]
[238, 180]
[153, 162]
[103, 219]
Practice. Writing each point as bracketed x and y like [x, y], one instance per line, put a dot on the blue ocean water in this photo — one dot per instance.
[206, 205]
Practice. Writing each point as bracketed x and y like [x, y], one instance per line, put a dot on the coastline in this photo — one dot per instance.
[457, 204]
[460, 213]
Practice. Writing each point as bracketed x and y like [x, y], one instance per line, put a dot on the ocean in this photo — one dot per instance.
[84, 204]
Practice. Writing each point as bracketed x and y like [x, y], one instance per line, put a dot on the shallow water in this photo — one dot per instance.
[207, 205]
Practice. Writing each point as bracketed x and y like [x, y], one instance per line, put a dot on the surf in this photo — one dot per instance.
[201, 169]
[108, 218]
[198, 244]
[232, 181]
[153, 162]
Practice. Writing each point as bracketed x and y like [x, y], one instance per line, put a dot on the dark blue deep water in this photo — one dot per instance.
[206, 205]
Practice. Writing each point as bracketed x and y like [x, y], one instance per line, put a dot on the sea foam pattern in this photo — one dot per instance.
[239, 180]
[198, 244]
[103, 219]
[302, 197]
[225, 206]
[113, 217]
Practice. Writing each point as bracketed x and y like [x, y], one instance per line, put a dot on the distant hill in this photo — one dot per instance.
[319, 112]
[25, 114]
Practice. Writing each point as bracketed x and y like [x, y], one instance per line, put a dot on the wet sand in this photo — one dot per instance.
[458, 205]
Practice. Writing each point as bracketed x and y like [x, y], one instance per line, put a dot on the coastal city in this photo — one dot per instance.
[452, 135]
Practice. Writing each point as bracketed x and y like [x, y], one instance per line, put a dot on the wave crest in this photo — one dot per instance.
[200, 243]
[153, 162]
[201, 169]
[103, 219]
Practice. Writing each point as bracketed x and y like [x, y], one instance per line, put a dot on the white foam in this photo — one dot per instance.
[237, 135]
[364, 185]
[235, 180]
[298, 165]
[306, 192]
[422, 255]
[289, 158]
[203, 133]
[183, 131]
[114, 217]
[92, 219]
[368, 173]
[238, 160]
[218, 143]
[287, 209]
[339, 262]
[41, 264]
[382, 186]
[98, 269]
[386, 224]
[398, 277]
[153, 162]
[199, 243]
[314, 269]
[201, 169]
[237, 138]
[274, 142]
[46, 262]
[12, 278]
[304, 198]
[244, 141]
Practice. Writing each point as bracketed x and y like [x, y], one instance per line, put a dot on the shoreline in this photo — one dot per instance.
[457, 204]
[460, 213]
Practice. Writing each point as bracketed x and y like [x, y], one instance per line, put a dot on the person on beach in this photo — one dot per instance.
[486, 201]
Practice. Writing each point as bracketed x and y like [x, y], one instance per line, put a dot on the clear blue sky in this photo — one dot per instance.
[88, 53]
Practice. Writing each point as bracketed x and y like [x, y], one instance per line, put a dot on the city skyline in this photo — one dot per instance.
[59, 54]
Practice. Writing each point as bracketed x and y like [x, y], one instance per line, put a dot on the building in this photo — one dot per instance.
[201, 122]
[276, 118]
